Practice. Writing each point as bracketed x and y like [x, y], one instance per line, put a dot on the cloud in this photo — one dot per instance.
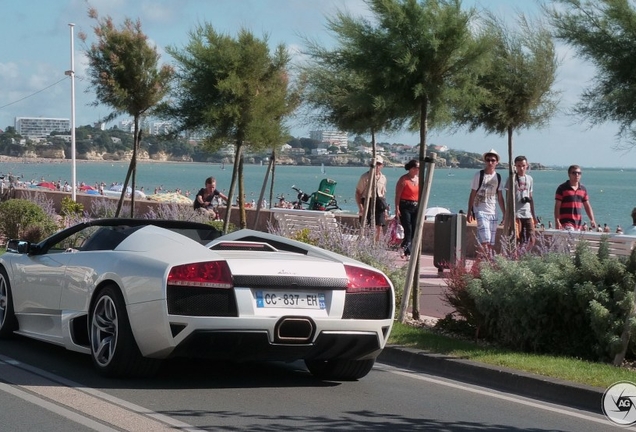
[160, 12]
[8, 71]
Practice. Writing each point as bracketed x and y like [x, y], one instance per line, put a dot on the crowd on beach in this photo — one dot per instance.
[101, 188]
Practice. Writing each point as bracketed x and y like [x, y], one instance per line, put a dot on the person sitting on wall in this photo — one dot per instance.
[205, 197]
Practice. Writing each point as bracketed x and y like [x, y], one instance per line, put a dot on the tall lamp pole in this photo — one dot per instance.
[71, 73]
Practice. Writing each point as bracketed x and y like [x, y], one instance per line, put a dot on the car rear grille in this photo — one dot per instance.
[201, 301]
[373, 305]
[283, 281]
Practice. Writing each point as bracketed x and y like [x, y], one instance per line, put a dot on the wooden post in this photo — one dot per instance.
[262, 194]
[413, 276]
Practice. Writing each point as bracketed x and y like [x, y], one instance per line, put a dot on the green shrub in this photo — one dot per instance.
[304, 235]
[68, 207]
[21, 218]
[554, 303]
[218, 224]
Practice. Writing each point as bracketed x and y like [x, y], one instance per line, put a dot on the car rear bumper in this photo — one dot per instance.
[242, 346]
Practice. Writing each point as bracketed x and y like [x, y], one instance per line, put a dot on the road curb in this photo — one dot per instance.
[524, 384]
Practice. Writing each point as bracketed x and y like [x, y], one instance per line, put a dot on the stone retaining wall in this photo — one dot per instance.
[265, 218]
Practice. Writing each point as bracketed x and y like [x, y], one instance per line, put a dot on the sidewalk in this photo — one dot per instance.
[432, 284]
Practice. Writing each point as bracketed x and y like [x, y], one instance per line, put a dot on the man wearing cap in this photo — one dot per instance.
[380, 194]
[485, 191]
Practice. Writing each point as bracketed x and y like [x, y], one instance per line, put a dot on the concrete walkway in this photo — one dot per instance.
[432, 286]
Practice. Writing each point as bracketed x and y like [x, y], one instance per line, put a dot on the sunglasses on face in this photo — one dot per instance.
[491, 160]
[575, 173]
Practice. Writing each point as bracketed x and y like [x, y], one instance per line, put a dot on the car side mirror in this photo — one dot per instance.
[18, 246]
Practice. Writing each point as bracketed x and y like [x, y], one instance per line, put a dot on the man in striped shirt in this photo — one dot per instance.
[570, 197]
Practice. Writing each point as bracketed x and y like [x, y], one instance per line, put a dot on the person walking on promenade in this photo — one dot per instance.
[206, 195]
[525, 219]
[407, 194]
[569, 198]
[378, 200]
[485, 191]
[632, 229]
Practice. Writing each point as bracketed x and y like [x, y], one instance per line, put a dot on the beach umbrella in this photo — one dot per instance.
[431, 212]
[86, 188]
[47, 185]
[118, 188]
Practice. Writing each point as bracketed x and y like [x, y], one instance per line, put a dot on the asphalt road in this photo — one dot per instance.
[45, 387]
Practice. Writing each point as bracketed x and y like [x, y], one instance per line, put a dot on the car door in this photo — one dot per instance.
[37, 286]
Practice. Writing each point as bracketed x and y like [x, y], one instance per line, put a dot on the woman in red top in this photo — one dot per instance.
[407, 194]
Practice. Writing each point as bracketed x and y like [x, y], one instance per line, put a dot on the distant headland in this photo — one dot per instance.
[457, 159]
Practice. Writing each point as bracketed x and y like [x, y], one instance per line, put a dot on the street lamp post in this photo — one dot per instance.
[71, 73]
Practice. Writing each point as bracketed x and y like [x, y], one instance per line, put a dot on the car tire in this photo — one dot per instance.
[8, 321]
[113, 347]
[339, 370]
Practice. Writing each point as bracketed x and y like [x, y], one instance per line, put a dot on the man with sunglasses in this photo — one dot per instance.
[570, 197]
[485, 191]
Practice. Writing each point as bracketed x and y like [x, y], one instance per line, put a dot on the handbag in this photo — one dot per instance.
[396, 232]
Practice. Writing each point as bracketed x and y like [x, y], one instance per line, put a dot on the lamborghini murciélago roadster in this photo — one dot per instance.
[132, 292]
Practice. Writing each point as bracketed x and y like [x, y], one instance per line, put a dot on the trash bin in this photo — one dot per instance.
[449, 244]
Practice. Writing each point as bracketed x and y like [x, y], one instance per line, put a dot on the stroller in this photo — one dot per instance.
[323, 199]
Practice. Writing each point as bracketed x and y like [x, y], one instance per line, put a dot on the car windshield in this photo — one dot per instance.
[109, 235]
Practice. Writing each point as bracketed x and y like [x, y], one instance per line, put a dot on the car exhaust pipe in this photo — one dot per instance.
[296, 330]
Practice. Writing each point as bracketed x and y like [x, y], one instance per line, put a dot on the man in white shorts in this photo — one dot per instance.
[485, 191]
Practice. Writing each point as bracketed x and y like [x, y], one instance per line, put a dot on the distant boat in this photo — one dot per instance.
[450, 173]
[322, 169]
[223, 165]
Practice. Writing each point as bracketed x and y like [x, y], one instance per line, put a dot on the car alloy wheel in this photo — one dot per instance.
[104, 330]
[4, 300]
[113, 347]
[8, 322]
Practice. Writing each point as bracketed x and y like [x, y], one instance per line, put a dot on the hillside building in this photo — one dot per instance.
[40, 127]
[336, 138]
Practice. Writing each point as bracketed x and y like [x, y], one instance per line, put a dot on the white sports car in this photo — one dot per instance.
[131, 292]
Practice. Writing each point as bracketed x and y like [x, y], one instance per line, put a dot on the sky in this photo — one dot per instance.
[36, 52]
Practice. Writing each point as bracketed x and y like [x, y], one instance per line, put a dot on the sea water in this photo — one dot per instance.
[611, 190]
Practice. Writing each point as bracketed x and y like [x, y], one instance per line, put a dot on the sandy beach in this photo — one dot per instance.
[40, 160]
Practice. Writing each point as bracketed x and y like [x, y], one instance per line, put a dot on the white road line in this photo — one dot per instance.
[491, 393]
[63, 412]
[56, 392]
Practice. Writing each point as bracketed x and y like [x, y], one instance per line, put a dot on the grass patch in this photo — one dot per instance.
[568, 369]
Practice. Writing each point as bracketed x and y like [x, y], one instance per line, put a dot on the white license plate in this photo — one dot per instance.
[291, 300]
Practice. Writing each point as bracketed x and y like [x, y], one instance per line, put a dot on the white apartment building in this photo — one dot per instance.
[34, 127]
[337, 138]
[127, 125]
[161, 128]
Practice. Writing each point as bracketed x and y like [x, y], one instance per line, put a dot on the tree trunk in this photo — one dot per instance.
[509, 216]
[369, 202]
[261, 195]
[412, 283]
[230, 194]
[241, 195]
[133, 162]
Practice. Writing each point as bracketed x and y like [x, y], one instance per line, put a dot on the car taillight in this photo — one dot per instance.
[211, 274]
[363, 280]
